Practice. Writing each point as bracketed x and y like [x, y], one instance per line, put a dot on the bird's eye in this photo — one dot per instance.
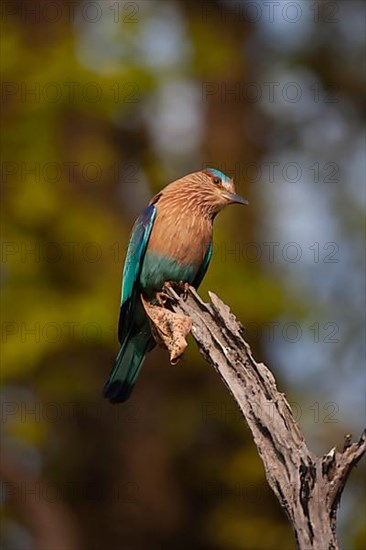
[216, 180]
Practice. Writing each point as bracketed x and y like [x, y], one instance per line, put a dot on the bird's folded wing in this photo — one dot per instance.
[133, 263]
[202, 271]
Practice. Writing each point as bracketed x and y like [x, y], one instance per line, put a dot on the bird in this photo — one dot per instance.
[171, 241]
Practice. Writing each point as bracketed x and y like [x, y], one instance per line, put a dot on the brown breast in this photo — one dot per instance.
[180, 231]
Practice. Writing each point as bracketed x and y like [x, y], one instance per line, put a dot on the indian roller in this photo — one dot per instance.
[171, 241]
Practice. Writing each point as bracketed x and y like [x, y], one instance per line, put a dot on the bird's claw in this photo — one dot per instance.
[185, 291]
[162, 297]
[182, 288]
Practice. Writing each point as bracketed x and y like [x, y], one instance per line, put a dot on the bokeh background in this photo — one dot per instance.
[103, 103]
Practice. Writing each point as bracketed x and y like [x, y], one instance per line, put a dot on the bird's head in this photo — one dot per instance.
[218, 189]
[207, 192]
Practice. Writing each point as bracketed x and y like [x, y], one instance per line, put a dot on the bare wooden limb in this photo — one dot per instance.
[308, 487]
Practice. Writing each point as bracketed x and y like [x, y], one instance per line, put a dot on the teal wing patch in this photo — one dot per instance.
[135, 254]
[202, 271]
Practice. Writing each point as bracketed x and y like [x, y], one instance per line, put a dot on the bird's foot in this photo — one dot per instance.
[181, 288]
[162, 298]
[184, 288]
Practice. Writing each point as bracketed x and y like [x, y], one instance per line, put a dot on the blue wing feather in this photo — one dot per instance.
[133, 263]
[202, 271]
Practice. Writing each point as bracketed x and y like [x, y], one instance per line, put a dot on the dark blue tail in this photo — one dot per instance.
[127, 366]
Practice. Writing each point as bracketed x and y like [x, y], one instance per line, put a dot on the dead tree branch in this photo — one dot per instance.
[308, 487]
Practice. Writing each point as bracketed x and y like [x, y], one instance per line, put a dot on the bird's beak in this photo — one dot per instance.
[234, 198]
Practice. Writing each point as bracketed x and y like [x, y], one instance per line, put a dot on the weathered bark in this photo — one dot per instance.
[308, 487]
